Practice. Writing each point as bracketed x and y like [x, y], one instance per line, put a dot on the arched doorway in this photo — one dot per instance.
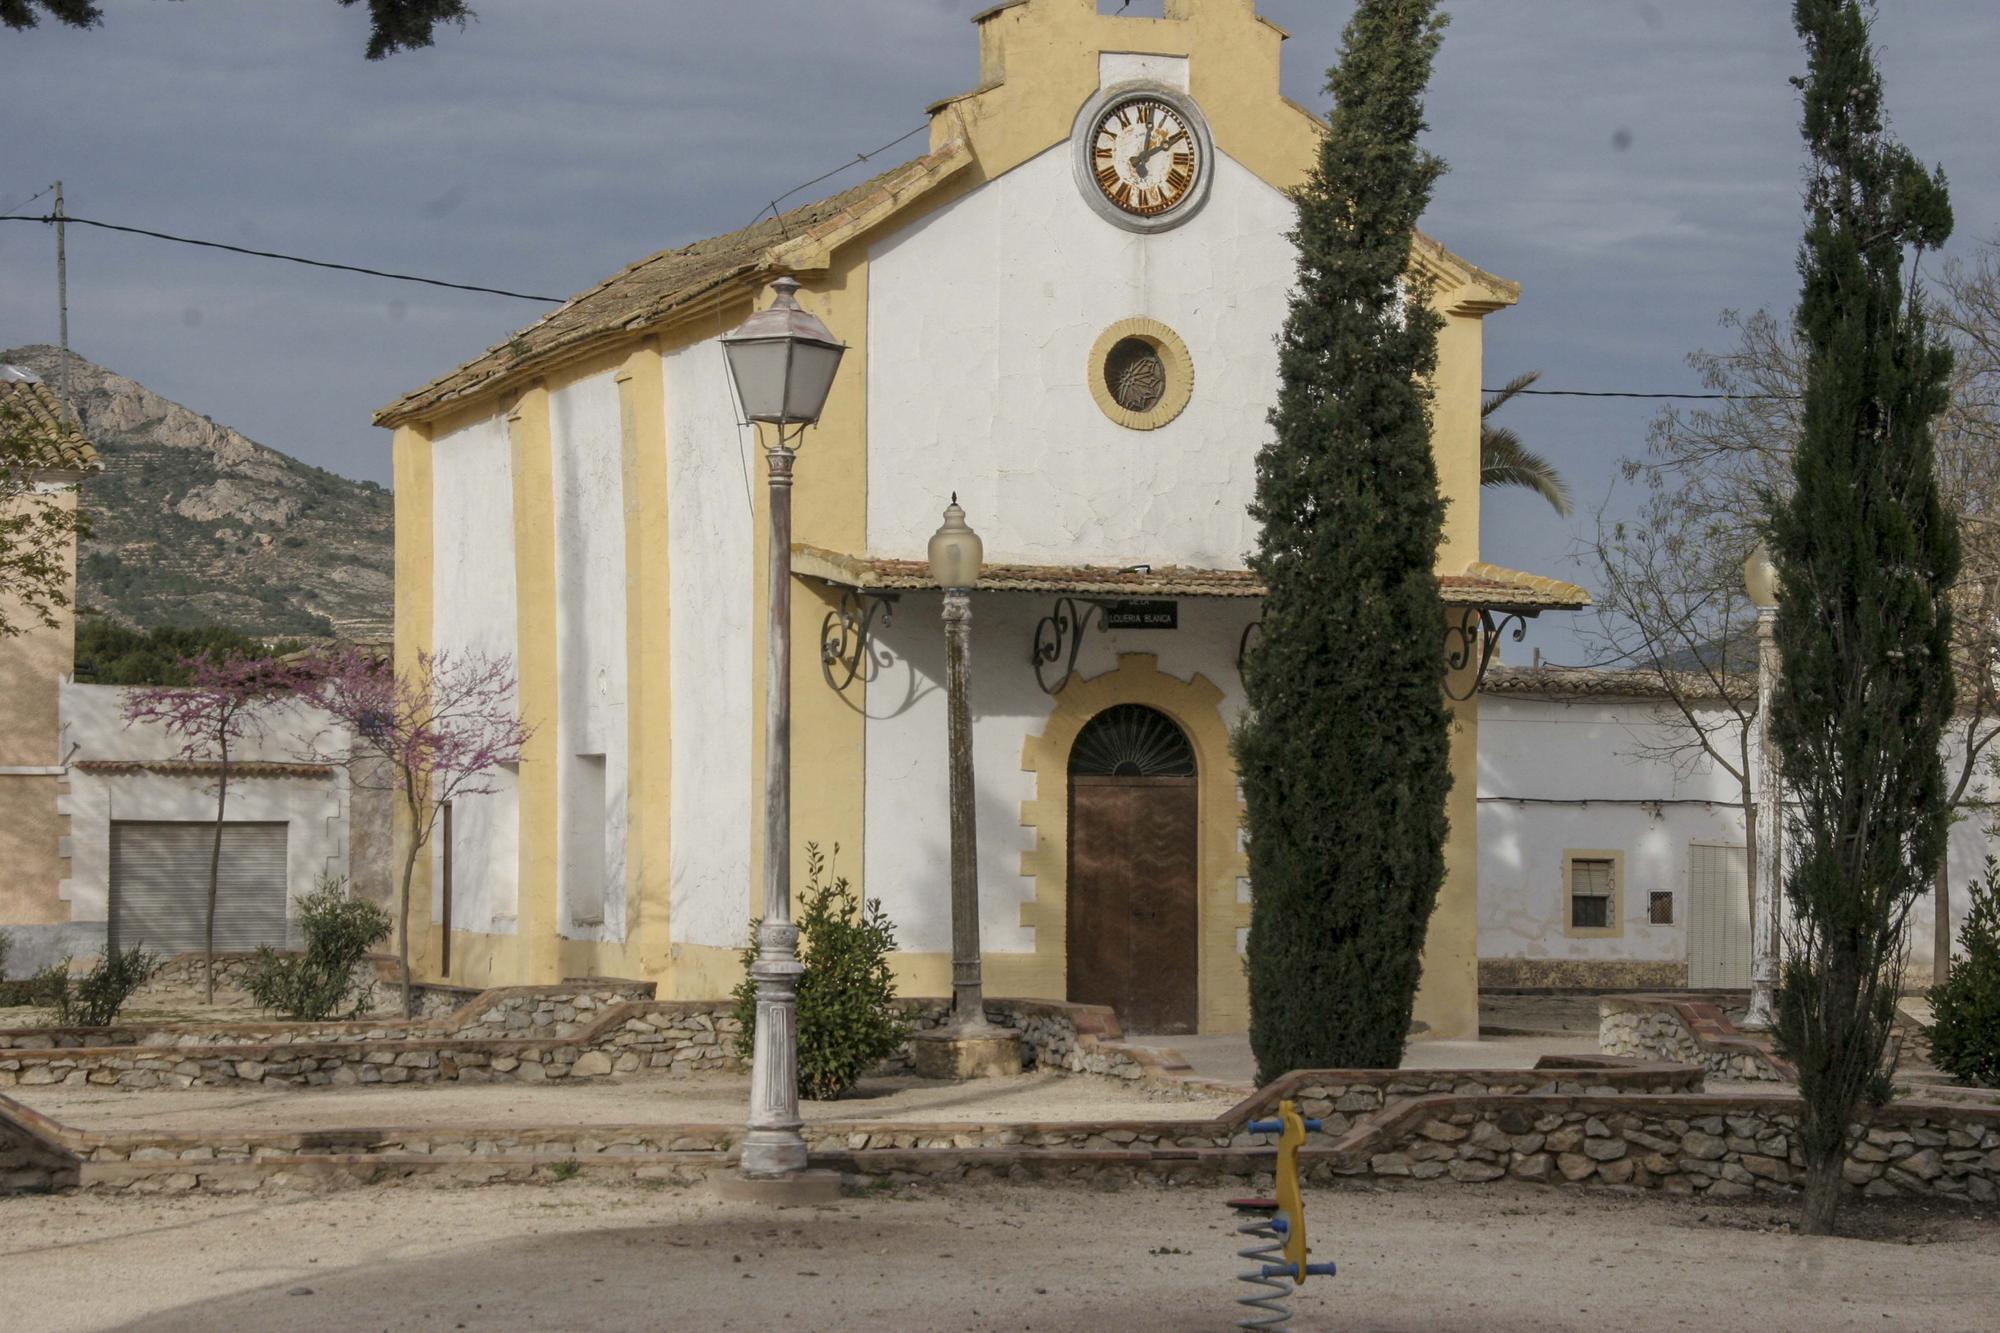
[1134, 916]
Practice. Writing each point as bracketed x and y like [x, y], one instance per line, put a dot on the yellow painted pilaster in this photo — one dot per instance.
[830, 510]
[1455, 437]
[648, 659]
[416, 582]
[535, 619]
[1448, 995]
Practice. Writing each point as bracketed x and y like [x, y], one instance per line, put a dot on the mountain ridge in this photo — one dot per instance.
[195, 523]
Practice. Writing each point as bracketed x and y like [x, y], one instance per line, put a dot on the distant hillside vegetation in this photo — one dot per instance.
[193, 524]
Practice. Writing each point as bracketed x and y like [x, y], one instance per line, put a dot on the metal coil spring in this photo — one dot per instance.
[1265, 1256]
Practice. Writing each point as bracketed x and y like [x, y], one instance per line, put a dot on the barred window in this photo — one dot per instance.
[1592, 885]
[1661, 909]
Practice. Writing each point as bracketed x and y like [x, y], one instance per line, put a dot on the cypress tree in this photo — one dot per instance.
[1866, 556]
[1343, 752]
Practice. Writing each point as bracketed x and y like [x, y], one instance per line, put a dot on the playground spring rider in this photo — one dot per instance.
[1279, 1226]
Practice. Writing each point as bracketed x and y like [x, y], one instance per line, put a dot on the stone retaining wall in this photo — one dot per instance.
[1343, 1099]
[510, 1011]
[578, 1029]
[1685, 1030]
[1716, 1146]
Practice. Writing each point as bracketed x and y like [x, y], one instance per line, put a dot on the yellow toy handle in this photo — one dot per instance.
[1291, 1205]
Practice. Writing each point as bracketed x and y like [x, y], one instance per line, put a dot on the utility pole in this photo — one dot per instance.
[62, 303]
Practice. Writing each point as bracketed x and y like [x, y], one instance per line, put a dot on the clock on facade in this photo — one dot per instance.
[1143, 156]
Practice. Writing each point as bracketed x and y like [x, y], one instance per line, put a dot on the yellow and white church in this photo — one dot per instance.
[1072, 329]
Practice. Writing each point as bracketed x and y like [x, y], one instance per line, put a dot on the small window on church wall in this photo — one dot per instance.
[584, 839]
[1590, 883]
[1661, 911]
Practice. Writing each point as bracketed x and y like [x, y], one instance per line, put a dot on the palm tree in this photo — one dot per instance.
[1505, 461]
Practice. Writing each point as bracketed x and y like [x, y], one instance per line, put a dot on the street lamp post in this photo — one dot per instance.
[1760, 580]
[969, 1047]
[782, 361]
[955, 552]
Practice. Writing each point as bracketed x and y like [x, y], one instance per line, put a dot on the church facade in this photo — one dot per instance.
[1065, 313]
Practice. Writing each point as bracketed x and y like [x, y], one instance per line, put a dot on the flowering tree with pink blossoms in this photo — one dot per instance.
[431, 736]
[223, 705]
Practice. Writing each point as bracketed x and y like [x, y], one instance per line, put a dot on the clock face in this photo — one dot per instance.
[1145, 156]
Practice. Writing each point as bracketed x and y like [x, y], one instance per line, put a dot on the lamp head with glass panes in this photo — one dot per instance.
[955, 550]
[782, 360]
[1760, 578]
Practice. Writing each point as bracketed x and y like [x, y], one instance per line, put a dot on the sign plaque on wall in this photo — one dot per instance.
[1142, 614]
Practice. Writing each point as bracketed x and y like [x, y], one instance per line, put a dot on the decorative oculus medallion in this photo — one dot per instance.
[1142, 155]
[1140, 373]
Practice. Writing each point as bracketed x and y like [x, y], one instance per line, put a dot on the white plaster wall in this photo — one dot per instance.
[981, 320]
[584, 431]
[908, 856]
[1557, 774]
[713, 577]
[474, 611]
[93, 728]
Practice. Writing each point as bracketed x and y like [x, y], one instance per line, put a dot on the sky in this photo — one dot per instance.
[1634, 164]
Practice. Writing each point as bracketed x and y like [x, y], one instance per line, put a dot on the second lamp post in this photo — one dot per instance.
[970, 1046]
[1760, 580]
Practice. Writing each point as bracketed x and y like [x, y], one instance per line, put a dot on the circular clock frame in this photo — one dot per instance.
[1083, 134]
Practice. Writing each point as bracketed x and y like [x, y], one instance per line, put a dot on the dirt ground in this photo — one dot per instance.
[717, 1098]
[1031, 1257]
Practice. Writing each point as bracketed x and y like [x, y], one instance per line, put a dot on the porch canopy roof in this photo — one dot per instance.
[1477, 585]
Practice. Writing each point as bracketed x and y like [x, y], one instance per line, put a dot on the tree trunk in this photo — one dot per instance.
[403, 924]
[1823, 1187]
[214, 882]
[1941, 929]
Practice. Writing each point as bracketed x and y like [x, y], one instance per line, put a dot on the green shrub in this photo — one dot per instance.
[318, 982]
[847, 1017]
[93, 999]
[6, 947]
[1965, 1036]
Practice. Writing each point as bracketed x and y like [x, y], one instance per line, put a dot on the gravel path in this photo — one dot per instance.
[581, 1255]
[678, 1099]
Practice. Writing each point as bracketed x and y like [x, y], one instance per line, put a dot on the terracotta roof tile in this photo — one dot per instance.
[32, 415]
[203, 768]
[1591, 682]
[1481, 584]
[672, 281]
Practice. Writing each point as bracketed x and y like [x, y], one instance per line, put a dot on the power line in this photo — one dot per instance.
[73, 220]
[772, 207]
[1622, 393]
[30, 199]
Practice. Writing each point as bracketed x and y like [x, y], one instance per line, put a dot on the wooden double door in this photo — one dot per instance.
[1134, 914]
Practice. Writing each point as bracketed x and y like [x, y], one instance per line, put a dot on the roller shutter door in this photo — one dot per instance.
[159, 885]
[1718, 918]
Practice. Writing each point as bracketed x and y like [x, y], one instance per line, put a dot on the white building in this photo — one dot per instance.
[140, 827]
[1612, 856]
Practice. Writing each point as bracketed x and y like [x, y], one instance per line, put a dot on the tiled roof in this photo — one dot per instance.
[674, 281]
[31, 414]
[1590, 682]
[1480, 585]
[180, 768]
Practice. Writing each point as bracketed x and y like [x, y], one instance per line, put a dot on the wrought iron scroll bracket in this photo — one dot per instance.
[1475, 638]
[1254, 628]
[846, 636]
[1059, 638]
